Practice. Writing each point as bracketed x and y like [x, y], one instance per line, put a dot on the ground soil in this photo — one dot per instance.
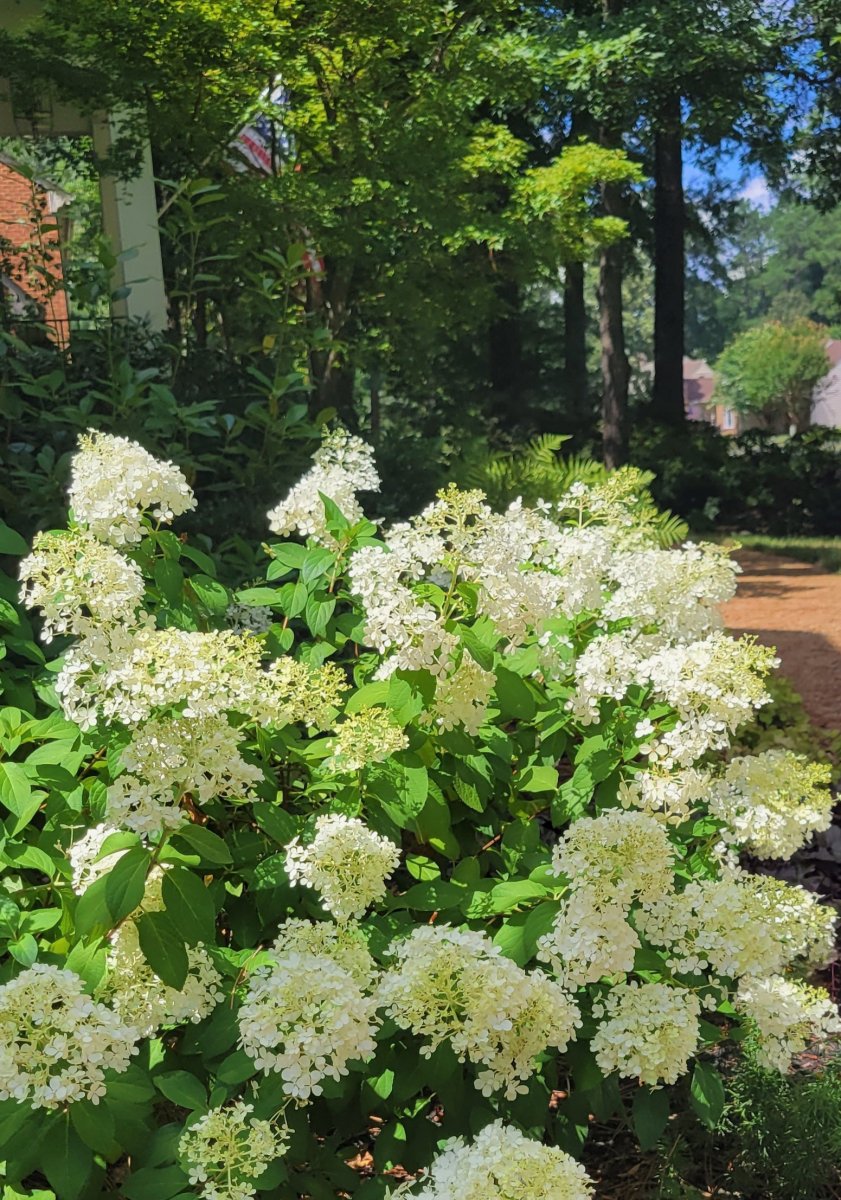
[795, 607]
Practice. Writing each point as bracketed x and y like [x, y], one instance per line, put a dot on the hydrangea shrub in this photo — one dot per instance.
[379, 875]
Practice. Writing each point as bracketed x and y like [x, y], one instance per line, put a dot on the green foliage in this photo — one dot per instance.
[236, 416]
[411, 158]
[775, 265]
[786, 1132]
[757, 482]
[771, 371]
[537, 471]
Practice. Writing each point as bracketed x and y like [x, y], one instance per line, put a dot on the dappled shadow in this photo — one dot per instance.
[768, 575]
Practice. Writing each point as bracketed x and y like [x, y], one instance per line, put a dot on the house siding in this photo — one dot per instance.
[21, 255]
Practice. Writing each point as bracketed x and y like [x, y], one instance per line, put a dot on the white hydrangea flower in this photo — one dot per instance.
[305, 1018]
[784, 1016]
[84, 859]
[142, 1000]
[739, 925]
[672, 798]
[606, 668]
[166, 759]
[56, 1043]
[79, 583]
[293, 693]
[589, 940]
[508, 557]
[454, 985]
[345, 944]
[363, 738]
[409, 633]
[772, 803]
[343, 466]
[114, 482]
[715, 685]
[678, 591]
[618, 857]
[226, 1150]
[346, 862]
[128, 675]
[461, 698]
[502, 1164]
[648, 1031]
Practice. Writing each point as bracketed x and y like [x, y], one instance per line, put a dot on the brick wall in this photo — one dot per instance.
[30, 259]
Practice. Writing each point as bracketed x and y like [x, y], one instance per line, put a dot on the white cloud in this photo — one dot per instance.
[757, 193]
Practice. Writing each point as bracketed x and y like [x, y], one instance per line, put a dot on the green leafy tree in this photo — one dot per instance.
[416, 169]
[777, 265]
[770, 372]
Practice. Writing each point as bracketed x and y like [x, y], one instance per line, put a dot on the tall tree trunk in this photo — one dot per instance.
[575, 346]
[614, 362]
[505, 352]
[332, 377]
[576, 381]
[669, 267]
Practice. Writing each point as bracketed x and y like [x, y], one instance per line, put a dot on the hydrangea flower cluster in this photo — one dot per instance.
[114, 482]
[79, 583]
[783, 1015]
[226, 1151]
[453, 985]
[739, 925]
[305, 1018]
[166, 759]
[618, 857]
[56, 1043]
[609, 862]
[503, 1164]
[343, 466]
[343, 943]
[675, 591]
[140, 998]
[87, 862]
[346, 862]
[462, 698]
[248, 618]
[409, 633]
[366, 737]
[291, 693]
[772, 803]
[713, 684]
[670, 798]
[126, 675]
[648, 1031]
[589, 940]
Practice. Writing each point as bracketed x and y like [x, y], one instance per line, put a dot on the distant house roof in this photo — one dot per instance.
[699, 388]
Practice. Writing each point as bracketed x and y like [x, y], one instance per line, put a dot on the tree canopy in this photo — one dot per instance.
[770, 371]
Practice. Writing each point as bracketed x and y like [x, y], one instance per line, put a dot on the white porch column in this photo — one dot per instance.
[130, 222]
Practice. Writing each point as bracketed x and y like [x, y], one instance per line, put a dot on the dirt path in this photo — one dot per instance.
[797, 608]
